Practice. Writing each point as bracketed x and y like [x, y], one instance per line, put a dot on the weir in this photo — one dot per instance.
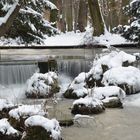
[15, 73]
[19, 72]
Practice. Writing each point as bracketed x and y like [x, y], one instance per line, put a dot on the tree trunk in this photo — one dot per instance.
[69, 15]
[13, 14]
[61, 21]
[82, 16]
[96, 17]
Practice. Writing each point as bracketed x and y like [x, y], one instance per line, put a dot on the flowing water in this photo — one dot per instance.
[113, 124]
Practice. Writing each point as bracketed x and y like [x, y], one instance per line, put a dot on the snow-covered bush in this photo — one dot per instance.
[128, 78]
[39, 127]
[7, 132]
[42, 85]
[30, 25]
[132, 30]
[87, 105]
[20, 114]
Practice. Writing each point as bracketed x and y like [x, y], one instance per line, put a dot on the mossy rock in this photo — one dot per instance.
[87, 110]
[10, 137]
[18, 124]
[37, 133]
[66, 123]
[55, 87]
[113, 103]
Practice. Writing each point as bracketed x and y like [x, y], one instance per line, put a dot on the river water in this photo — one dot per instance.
[113, 124]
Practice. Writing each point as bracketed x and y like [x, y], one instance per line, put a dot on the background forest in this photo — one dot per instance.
[29, 20]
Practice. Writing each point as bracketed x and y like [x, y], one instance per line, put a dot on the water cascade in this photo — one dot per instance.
[16, 73]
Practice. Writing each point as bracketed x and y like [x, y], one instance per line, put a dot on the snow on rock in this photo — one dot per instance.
[77, 88]
[25, 111]
[51, 126]
[127, 78]
[5, 104]
[6, 128]
[88, 101]
[87, 105]
[110, 60]
[107, 92]
[5, 107]
[42, 85]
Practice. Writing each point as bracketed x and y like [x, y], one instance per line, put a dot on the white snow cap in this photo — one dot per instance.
[88, 101]
[107, 92]
[26, 111]
[6, 128]
[50, 125]
[123, 75]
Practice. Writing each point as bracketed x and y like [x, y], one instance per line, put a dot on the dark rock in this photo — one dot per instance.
[37, 133]
[86, 110]
[10, 137]
[113, 103]
[66, 123]
[18, 124]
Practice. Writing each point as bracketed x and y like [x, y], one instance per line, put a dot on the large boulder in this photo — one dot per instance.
[18, 115]
[127, 78]
[7, 132]
[87, 105]
[106, 61]
[111, 96]
[39, 127]
[42, 85]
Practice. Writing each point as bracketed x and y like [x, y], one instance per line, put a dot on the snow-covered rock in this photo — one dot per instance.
[87, 105]
[77, 88]
[7, 132]
[102, 93]
[128, 78]
[5, 107]
[20, 114]
[42, 85]
[50, 129]
[111, 96]
[110, 60]
[102, 63]
[112, 102]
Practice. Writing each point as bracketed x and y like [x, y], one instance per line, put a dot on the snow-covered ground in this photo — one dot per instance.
[71, 39]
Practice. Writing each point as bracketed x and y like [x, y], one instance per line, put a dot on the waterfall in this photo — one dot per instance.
[73, 67]
[16, 73]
